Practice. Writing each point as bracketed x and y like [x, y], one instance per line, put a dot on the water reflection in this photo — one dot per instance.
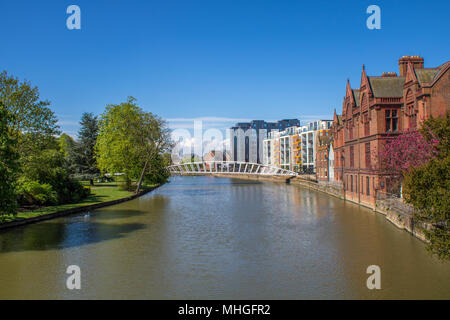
[63, 235]
[218, 238]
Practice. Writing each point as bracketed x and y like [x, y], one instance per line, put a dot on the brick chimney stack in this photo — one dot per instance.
[416, 61]
[389, 75]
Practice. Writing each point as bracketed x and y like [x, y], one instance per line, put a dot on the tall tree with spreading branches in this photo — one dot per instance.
[129, 139]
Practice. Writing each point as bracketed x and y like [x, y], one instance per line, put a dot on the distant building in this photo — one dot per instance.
[217, 156]
[308, 137]
[246, 138]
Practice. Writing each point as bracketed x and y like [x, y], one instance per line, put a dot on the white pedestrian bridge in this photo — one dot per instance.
[227, 167]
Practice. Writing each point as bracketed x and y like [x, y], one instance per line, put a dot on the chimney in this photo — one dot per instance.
[389, 75]
[416, 61]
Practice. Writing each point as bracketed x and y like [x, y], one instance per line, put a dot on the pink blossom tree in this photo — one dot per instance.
[410, 149]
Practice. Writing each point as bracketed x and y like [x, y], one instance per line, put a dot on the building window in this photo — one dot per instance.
[362, 186]
[350, 130]
[367, 145]
[352, 156]
[366, 125]
[247, 149]
[351, 183]
[368, 186]
[391, 120]
[412, 115]
[235, 148]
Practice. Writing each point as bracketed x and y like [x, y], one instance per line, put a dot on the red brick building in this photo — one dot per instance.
[322, 161]
[380, 109]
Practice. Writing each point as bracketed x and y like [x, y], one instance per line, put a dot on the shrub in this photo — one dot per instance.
[31, 192]
[48, 167]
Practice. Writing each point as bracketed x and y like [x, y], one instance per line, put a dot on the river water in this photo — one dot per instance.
[219, 238]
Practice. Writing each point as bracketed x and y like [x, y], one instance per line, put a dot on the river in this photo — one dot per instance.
[219, 238]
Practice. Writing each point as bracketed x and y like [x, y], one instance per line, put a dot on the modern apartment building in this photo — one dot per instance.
[308, 137]
[293, 148]
[246, 138]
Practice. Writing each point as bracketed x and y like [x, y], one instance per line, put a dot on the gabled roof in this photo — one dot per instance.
[387, 86]
[426, 75]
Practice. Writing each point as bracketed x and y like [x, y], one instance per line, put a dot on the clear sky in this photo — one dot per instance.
[219, 60]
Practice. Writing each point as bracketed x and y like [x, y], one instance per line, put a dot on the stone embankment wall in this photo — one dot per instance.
[394, 209]
[401, 215]
[330, 188]
[21, 222]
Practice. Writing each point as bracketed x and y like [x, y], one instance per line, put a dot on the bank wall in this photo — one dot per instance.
[62, 213]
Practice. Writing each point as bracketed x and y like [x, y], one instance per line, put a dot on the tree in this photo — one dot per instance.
[32, 121]
[427, 187]
[66, 144]
[48, 167]
[129, 139]
[33, 126]
[155, 141]
[82, 154]
[8, 165]
[407, 150]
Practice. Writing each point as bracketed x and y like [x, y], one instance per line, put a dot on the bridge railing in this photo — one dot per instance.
[228, 167]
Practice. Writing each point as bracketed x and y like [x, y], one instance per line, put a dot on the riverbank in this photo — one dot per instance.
[388, 209]
[101, 196]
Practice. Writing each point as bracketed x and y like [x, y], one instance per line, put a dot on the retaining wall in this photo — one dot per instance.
[67, 212]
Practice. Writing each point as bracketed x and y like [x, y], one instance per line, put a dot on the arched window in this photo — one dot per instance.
[411, 111]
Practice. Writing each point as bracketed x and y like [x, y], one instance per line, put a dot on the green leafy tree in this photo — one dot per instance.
[33, 125]
[82, 153]
[8, 166]
[427, 188]
[32, 122]
[66, 144]
[129, 140]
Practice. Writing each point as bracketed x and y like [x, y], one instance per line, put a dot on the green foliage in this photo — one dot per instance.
[32, 122]
[117, 139]
[8, 166]
[34, 193]
[157, 172]
[48, 167]
[130, 142]
[65, 143]
[427, 188]
[28, 146]
[81, 155]
[438, 129]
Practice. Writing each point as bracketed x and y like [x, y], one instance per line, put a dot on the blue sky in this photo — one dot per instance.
[219, 60]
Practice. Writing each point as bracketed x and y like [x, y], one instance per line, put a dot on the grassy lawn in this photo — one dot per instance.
[100, 192]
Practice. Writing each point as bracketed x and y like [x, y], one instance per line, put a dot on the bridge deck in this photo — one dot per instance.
[230, 167]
